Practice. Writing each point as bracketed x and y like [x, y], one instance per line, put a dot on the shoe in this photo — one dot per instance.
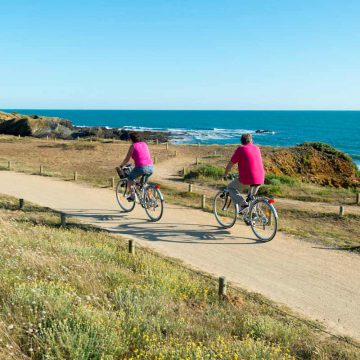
[131, 198]
[243, 207]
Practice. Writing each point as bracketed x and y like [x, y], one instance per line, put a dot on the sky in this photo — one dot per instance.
[180, 54]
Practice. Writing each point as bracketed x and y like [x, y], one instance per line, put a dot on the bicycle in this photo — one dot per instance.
[261, 214]
[148, 196]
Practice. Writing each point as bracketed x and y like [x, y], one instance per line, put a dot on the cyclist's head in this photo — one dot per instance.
[246, 139]
[135, 137]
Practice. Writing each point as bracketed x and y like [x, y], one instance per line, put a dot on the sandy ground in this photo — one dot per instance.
[320, 283]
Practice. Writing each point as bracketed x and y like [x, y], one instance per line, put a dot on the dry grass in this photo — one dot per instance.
[76, 293]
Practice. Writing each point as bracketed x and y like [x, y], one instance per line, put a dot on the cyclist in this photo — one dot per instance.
[140, 153]
[250, 168]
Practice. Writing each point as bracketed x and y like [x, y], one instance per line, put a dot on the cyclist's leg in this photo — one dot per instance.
[147, 171]
[253, 190]
[235, 188]
[134, 174]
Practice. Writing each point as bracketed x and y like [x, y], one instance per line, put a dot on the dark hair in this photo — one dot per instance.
[246, 138]
[135, 137]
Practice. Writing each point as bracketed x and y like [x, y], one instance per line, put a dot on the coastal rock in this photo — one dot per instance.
[43, 126]
[314, 162]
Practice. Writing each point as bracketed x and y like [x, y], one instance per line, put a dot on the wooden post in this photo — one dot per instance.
[167, 146]
[222, 286]
[9, 165]
[113, 183]
[78, 138]
[131, 247]
[63, 219]
[184, 171]
[203, 201]
[19, 136]
[21, 204]
[75, 175]
[198, 144]
[157, 141]
[358, 199]
[155, 159]
[175, 153]
[190, 187]
[197, 161]
[41, 169]
[342, 211]
[47, 137]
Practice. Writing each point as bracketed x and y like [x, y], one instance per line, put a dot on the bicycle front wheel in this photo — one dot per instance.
[225, 210]
[122, 192]
[153, 203]
[263, 220]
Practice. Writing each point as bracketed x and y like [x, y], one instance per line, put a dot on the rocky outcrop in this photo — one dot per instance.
[43, 126]
[313, 162]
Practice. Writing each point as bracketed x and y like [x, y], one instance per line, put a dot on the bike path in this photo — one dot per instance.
[320, 283]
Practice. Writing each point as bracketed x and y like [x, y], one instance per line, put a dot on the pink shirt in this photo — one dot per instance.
[250, 165]
[141, 154]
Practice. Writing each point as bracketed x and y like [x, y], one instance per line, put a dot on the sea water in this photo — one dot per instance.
[283, 128]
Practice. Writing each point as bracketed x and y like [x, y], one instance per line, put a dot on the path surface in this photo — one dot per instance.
[323, 284]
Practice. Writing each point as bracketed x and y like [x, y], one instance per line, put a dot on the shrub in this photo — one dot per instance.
[270, 190]
[208, 171]
[328, 149]
[271, 179]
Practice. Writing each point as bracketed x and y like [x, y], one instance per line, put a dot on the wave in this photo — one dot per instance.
[204, 135]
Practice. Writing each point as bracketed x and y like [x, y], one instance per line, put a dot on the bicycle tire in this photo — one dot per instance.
[260, 219]
[155, 203]
[121, 195]
[231, 212]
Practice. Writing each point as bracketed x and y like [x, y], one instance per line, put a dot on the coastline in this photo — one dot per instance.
[212, 127]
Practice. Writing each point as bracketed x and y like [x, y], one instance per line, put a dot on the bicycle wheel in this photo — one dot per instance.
[122, 193]
[225, 210]
[263, 220]
[153, 203]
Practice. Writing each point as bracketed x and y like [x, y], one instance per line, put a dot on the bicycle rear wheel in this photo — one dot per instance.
[225, 210]
[263, 220]
[122, 192]
[153, 203]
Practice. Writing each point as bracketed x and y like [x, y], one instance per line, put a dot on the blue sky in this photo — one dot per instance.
[180, 54]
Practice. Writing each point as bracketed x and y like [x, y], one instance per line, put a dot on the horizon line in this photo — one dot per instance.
[112, 109]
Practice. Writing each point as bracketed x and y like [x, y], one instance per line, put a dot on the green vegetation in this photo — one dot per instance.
[76, 293]
[205, 171]
[272, 179]
[328, 149]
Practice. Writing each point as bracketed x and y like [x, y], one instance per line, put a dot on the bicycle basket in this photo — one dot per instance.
[124, 172]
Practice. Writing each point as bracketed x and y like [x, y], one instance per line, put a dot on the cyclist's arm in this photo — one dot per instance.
[128, 156]
[229, 166]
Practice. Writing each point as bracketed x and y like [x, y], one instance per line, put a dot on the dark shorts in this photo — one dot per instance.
[139, 171]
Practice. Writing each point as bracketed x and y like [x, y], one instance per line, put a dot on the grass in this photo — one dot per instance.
[76, 293]
[329, 229]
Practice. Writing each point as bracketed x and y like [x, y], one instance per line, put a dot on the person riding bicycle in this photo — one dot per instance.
[140, 153]
[250, 168]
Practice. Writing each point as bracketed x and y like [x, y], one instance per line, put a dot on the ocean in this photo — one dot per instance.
[282, 128]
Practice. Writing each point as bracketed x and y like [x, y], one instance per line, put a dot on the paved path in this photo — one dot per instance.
[321, 283]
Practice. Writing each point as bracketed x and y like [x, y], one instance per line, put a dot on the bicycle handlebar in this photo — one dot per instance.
[231, 176]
